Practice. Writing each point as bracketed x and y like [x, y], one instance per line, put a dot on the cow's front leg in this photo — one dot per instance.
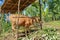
[26, 30]
[29, 30]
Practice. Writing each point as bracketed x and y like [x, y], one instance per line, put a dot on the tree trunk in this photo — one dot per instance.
[40, 14]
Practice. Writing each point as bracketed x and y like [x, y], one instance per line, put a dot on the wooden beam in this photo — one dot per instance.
[8, 3]
[4, 3]
[12, 4]
[24, 3]
[15, 6]
[9, 11]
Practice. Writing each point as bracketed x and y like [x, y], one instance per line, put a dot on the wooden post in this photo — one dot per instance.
[18, 20]
[1, 22]
[40, 14]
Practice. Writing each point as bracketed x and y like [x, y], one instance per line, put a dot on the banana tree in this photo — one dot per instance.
[54, 8]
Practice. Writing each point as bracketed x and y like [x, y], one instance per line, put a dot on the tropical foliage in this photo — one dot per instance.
[49, 9]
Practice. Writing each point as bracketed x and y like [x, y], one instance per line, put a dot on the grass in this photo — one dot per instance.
[46, 34]
[53, 24]
[49, 32]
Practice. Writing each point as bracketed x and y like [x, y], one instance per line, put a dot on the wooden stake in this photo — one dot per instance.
[18, 20]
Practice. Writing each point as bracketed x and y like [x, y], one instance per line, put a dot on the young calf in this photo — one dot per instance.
[21, 20]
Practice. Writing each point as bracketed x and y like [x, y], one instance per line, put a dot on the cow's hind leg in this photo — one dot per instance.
[25, 31]
[28, 30]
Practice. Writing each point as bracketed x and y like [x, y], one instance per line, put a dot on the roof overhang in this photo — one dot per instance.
[12, 5]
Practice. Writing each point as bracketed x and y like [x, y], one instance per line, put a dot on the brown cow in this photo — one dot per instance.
[21, 20]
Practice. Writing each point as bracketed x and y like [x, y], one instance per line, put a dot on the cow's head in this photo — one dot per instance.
[37, 19]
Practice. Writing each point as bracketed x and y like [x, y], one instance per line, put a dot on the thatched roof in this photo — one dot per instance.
[12, 5]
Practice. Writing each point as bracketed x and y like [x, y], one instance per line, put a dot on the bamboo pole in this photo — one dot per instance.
[1, 22]
[18, 20]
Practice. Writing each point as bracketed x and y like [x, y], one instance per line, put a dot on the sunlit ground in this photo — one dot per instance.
[55, 24]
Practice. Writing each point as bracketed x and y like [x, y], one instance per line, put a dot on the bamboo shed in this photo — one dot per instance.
[12, 5]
